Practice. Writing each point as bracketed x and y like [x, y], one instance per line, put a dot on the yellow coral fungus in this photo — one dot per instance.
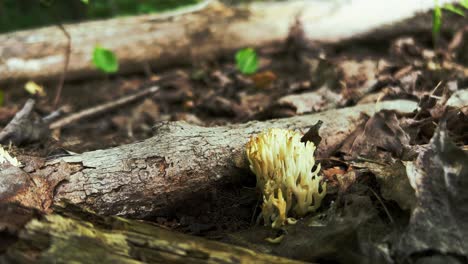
[283, 166]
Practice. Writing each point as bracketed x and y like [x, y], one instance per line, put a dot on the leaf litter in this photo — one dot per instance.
[396, 184]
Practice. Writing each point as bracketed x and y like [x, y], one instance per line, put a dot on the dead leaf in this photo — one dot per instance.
[343, 179]
[394, 184]
[358, 77]
[438, 223]
[329, 173]
[458, 99]
[382, 134]
[221, 106]
[320, 100]
[312, 135]
[264, 80]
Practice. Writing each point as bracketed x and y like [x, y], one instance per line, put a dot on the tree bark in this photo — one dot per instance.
[204, 31]
[73, 235]
[141, 179]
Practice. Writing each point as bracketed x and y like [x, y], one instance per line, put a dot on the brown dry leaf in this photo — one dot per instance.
[253, 103]
[358, 76]
[394, 184]
[264, 80]
[147, 108]
[316, 101]
[382, 135]
[120, 121]
[221, 106]
[346, 180]
[339, 177]
[331, 172]
[439, 177]
[176, 88]
[312, 135]
[143, 117]
[405, 47]
[221, 78]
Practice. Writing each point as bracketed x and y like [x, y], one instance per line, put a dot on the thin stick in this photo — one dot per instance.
[101, 108]
[383, 205]
[65, 66]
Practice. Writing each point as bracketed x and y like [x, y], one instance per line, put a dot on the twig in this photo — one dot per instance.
[457, 39]
[65, 66]
[101, 108]
[383, 205]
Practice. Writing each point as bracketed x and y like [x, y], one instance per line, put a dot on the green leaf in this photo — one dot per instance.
[464, 3]
[85, 2]
[105, 60]
[454, 9]
[436, 22]
[247, 61]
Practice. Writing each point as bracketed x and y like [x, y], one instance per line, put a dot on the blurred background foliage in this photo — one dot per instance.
[26, 14]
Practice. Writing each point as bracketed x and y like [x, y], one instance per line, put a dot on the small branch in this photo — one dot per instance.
[65, 65]
[101, 108]
[383, 205]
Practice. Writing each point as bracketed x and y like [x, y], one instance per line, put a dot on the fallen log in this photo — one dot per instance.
[204, 31]
[74, 236]
[141, 179]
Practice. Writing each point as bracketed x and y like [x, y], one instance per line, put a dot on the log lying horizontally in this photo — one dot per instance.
[180, 160]
[203, 31]
[76, 236]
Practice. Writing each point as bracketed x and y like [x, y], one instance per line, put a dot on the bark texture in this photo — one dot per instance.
[180, 160]
[204, 31]
[75, 236]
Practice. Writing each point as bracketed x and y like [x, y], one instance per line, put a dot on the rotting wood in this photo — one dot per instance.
[180, 160]
[205, 32]
[73, 235]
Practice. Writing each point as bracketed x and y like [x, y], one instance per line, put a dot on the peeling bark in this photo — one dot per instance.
[180, 160]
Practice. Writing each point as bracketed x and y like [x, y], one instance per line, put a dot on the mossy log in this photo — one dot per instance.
[72, 235]
[181, 160]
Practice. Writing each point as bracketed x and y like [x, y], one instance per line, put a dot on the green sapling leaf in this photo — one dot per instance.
[105, 60]
[454, 9]
[436, 22]
[247, 61]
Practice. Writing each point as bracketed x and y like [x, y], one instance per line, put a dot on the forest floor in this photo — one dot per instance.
[294, 78]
